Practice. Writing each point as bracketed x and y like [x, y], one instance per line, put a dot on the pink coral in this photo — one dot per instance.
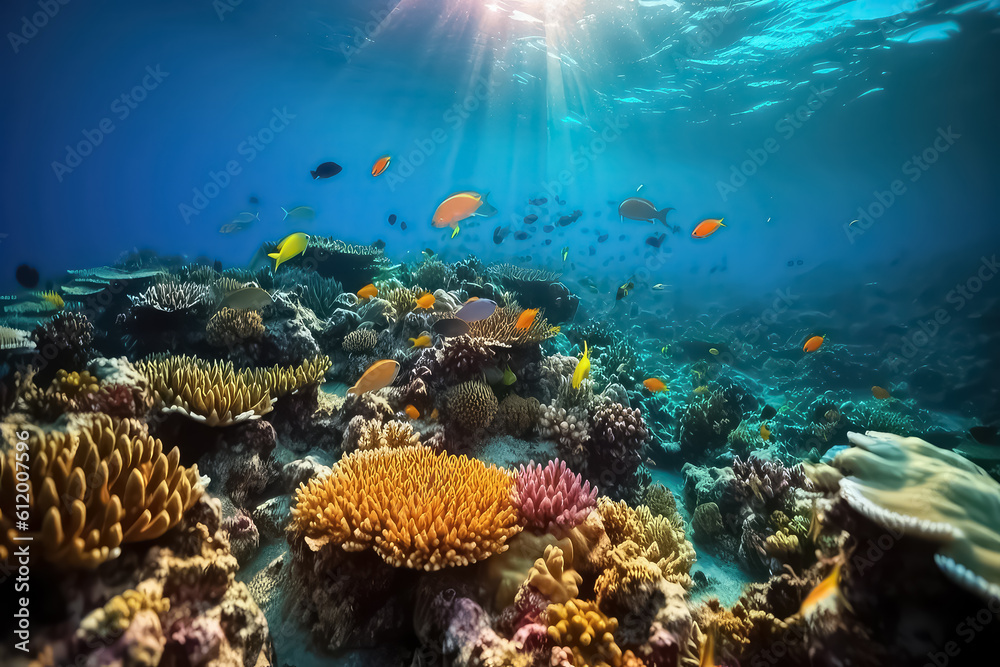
[552, 497]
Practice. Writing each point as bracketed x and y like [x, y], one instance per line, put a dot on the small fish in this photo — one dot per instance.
[455, 231]
[508, 377]
[565, 252]
[326, 170]
[602, 238]
[392, 218]
[289, 247]
[623, 290]
[665, 350]
[368, 291]
[520, 236]
[656, 241]
[380, 165]
[547, 242]
[591, 250]
[428, 252]
[768, 412]
[548, 228]
[302, 213]
[402, 225]
[539, 201]
[659, 286]
[643, 210]
[582, 369]
[426, 301]
[423, 340]
[825, 591]
[250, 298]
[526, 319]
[460, 206]
[254, 200]
[476, 309]
[231, 228]
[984, 435]
[27, 276]
[707, 227]
[713, 351]
[569, 219]
[530, 219]
[813, 344]
[378, 375]
[765, 432]
[411, 411]
[880, 393]
[379, 244]
[622, 237]
[655, 385]
[451, 327]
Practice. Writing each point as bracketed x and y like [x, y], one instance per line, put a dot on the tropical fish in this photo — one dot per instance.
[368, 291]
[500, 233]
[623, 290]
[768, 412]
[455, 231]
[27, 276]
[569, 219]
[707, 227]
[659, 286]
[530, 219]
[656, 241]
[411, 411]
[526, 319]
[565, 252]
[655, 385]
[547, 242]
[521, 235]
[765, 432]
[249, 298]
[380, 374]
[380, 165]
[426, 301]
[423, 340]
[379, 244]
[451, 327]
[460, 206]
[392, 218]
[508, 377]
[402, 225]
[290, 246]
[246, 217]
[880, 393]
[602, 238]
[303, 213]
[591, 250]
[326, 170]
[713, 351]
[428, 252]
[826, 590]
[665, 350]
[548, 228]
[582, 369]
[643, 210]
[538, 202]
[473, 311]
[813, 344]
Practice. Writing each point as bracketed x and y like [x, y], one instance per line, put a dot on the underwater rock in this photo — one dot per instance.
[272, 517]
[244, 540]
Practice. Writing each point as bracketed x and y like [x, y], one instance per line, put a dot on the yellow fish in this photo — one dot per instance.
[380, 374]
[713, 351]
[290, 246]
[426, 301]
[582, 367]
[765, 432]
[421, 341]
[455, 232]
[825, 591]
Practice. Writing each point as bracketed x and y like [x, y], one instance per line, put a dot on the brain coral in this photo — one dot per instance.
[552, 497]
[91, 491]
[360, 340]
[472, 405]
[415, 508]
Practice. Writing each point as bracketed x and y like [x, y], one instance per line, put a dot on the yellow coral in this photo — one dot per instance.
[554, 576]
[52, 299]
[581, 627]
[111, 620]
[392, 435]
[628, 572]
[91, 491]
[74, 384]
[415, 508]
[232, 326]
[661, 542]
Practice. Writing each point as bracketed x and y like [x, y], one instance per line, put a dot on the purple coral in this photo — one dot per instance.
[199, 638]
[763, 484]
[617, 450]
[552, 497]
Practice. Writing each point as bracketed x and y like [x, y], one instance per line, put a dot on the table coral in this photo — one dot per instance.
[551, 498]
[416, 509]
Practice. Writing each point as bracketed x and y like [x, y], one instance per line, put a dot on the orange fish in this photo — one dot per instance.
[380, 374]
[457, 208]
[707, 228]
[423, 340]
[880, 393]
[368, 291]
[471, 299]
[412, 412]
[426, 301]
[380, 165]
[526, 319]
[765, 432]
[826, 590]
[813, 344]
[654, 385]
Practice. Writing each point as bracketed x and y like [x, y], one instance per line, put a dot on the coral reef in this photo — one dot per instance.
[230, 327]
[552, 498]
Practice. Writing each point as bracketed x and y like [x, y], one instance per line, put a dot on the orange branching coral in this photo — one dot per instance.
[581, 627]
[661, 541]
[415, 508]
[90, 491]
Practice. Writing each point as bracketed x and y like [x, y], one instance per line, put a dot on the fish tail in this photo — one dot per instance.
[286, 211]
[720, 222]
[662, 214]
[313, 174]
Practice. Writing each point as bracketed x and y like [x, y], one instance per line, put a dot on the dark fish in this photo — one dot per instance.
[254, 200]
[379, 243]
[621, 237]
[392, 218]
[623, 290]
[593, 251]
[530, 219]
[768, 412]
[621, 258]
[428, 252]
[402, 225]
[548, 228]
[602, 238]
[520, 236]
[500, 233]
[636, 208]
[656, 241]
[547, 242]
[217, 266]
[27, 276]
[326, 170]
[538, 202]
[791, 262]
[984, 434]
[606, 262]
[569, 219]
[451, 327]
[799, 263]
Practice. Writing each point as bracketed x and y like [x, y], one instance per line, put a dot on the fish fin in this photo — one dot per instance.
[283, 209]
[720, 222]
[274, 255]
[313, 174]
[662, 214]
